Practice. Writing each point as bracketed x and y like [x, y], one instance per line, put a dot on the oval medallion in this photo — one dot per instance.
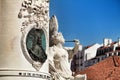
[36, 45]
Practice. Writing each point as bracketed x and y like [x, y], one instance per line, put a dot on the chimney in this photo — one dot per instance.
[105, 42]
[109, 41]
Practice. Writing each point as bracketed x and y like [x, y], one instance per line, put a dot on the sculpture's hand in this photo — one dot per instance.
[76, 41]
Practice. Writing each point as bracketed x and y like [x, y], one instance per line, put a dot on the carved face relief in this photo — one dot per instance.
[60, 38]
[36, 45]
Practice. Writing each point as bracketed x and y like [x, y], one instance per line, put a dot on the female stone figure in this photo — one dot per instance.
[59, 57]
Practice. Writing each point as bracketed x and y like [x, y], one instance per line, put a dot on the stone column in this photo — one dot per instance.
[14, 62]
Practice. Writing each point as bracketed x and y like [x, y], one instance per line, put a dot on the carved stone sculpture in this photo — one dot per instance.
[34, 12]
[58, 56]
[34, 15]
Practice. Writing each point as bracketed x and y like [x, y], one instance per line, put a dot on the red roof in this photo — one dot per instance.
[108, 69]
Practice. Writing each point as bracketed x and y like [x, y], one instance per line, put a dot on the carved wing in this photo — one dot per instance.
[53, 28]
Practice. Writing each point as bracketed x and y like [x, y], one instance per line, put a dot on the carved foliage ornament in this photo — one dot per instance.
[34, 12]
[35, 17]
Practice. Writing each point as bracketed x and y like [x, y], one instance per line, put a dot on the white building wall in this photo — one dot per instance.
[91, 52]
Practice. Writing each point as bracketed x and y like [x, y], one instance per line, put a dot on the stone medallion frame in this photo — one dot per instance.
[34, 14]
[36, 64]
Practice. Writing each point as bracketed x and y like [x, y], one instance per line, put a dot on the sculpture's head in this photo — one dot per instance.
[58, 38]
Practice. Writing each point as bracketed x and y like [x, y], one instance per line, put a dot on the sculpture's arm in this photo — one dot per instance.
[73, 51]
[76, 47]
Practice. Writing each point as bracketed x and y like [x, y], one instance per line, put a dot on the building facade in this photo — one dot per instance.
[108, 49]
[93, 54]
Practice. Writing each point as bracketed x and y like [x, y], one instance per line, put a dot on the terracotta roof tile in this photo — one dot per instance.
[108, 69]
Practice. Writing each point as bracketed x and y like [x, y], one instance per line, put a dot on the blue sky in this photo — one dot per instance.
[87, 20]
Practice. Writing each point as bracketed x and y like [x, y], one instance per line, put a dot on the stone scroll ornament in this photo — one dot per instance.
[35, 17]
